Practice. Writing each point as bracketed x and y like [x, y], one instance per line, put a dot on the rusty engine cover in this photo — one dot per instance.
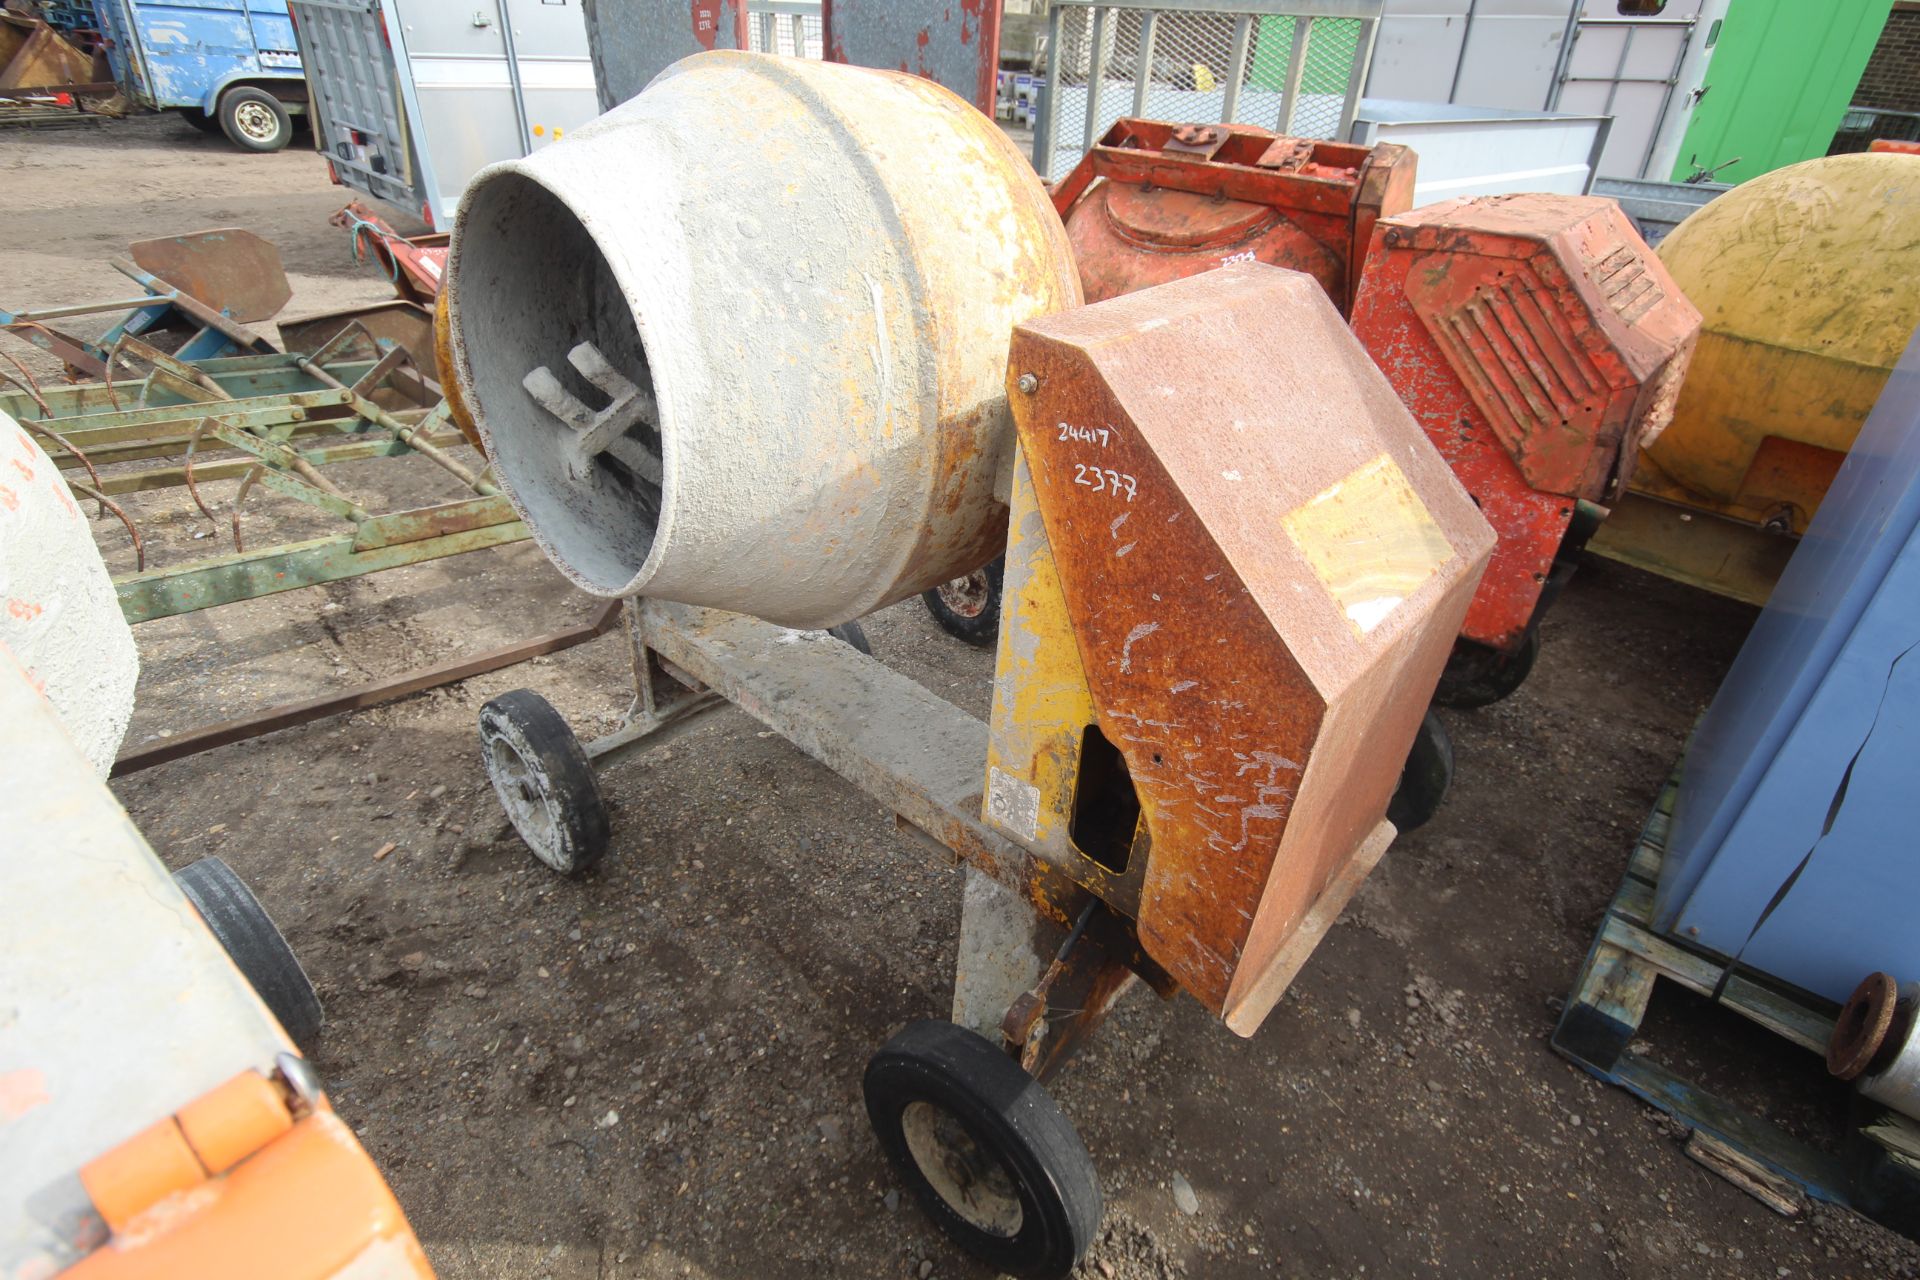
[1265, 563]
[1175, 200]
[1540, 343]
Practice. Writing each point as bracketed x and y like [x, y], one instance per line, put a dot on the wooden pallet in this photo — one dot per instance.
[1604, 1013]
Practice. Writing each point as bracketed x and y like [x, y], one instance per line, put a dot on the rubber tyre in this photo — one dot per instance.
[258, 950]
[544, 780]
[201, 121]
[254, 120]
[854, 634]
[1424, 778]
[979, 627]
[1006, 1113]
[1476, 676]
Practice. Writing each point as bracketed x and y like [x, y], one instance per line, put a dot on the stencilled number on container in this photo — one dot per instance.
[1092, 435]
[1103, 480]
[1245, 255]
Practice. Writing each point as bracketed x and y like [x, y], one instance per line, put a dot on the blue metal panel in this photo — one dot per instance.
[181, 53]
[1799, 784]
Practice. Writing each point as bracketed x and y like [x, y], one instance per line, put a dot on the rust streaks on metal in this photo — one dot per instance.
[1262, 681]
[229, 269]
[1540, 343]
[1155, 202]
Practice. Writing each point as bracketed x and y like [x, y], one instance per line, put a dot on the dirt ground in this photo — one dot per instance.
[654, 1071]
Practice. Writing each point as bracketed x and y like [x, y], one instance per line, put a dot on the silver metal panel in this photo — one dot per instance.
[1473, 151]
[1418, 49]
[1509, 56]
[359, 117]
[472, 95]
[546, 28]
[117, 1007]
[1627, 68]
[1657, 207]
[1577, 56]
[632, 41]
[444, 91]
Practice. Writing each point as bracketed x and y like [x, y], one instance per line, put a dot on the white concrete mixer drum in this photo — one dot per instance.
[742, 341]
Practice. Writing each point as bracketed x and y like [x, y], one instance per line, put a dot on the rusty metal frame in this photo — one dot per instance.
[1245, 12]
[287, 715]
[925, 760]
[1359, 184]
[910, 750]
[258, 411]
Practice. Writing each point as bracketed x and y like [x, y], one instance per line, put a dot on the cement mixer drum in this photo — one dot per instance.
[742, 341]
[1805, 279]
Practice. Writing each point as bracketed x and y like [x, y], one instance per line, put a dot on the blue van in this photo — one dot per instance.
[228, 66]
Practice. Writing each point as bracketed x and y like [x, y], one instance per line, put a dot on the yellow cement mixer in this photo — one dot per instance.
[1808, 279]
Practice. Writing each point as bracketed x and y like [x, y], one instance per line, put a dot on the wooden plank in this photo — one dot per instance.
[1618, 985]
[1779, 1194]
[1691, 971]
[1634, 902]
[1820, 1175]
[1780, 1014]
[1645, 863]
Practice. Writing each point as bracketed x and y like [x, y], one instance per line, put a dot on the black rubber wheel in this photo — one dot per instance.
[854, 634]
[1477, 676]
[1424, 778]
[247, 933]
[201, 120]
[544, 780]
[969, 608]
[253, 119]
[989, 1155]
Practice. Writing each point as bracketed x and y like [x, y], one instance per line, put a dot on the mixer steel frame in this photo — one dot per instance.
[924, 759]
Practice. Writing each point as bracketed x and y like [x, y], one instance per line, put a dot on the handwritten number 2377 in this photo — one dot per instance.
[1101, 480]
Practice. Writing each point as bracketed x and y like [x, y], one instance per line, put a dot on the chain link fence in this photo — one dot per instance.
[791, 27]
[1293, 66]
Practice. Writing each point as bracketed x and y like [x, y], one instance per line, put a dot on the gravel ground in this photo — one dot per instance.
[654, 1071]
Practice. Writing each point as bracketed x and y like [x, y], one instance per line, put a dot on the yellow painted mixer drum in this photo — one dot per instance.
[1809, 282]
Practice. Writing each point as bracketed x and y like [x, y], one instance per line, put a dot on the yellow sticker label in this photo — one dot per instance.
[1370, 541]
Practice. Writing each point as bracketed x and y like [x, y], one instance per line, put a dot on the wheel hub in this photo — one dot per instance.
[968, 596]
[966, 1175]
[528, 807]
[256, 120]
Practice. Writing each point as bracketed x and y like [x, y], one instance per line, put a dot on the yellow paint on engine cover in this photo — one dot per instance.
[1041, 709]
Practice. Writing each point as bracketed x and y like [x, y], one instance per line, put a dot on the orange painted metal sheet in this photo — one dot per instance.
[234, 1121]
[1540, 343]
[308, 1206]
[1155, 202]
[1265, 563]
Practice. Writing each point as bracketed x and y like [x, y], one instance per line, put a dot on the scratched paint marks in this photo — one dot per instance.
[1165, 458]
[1187, 676]
[1496, 321]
